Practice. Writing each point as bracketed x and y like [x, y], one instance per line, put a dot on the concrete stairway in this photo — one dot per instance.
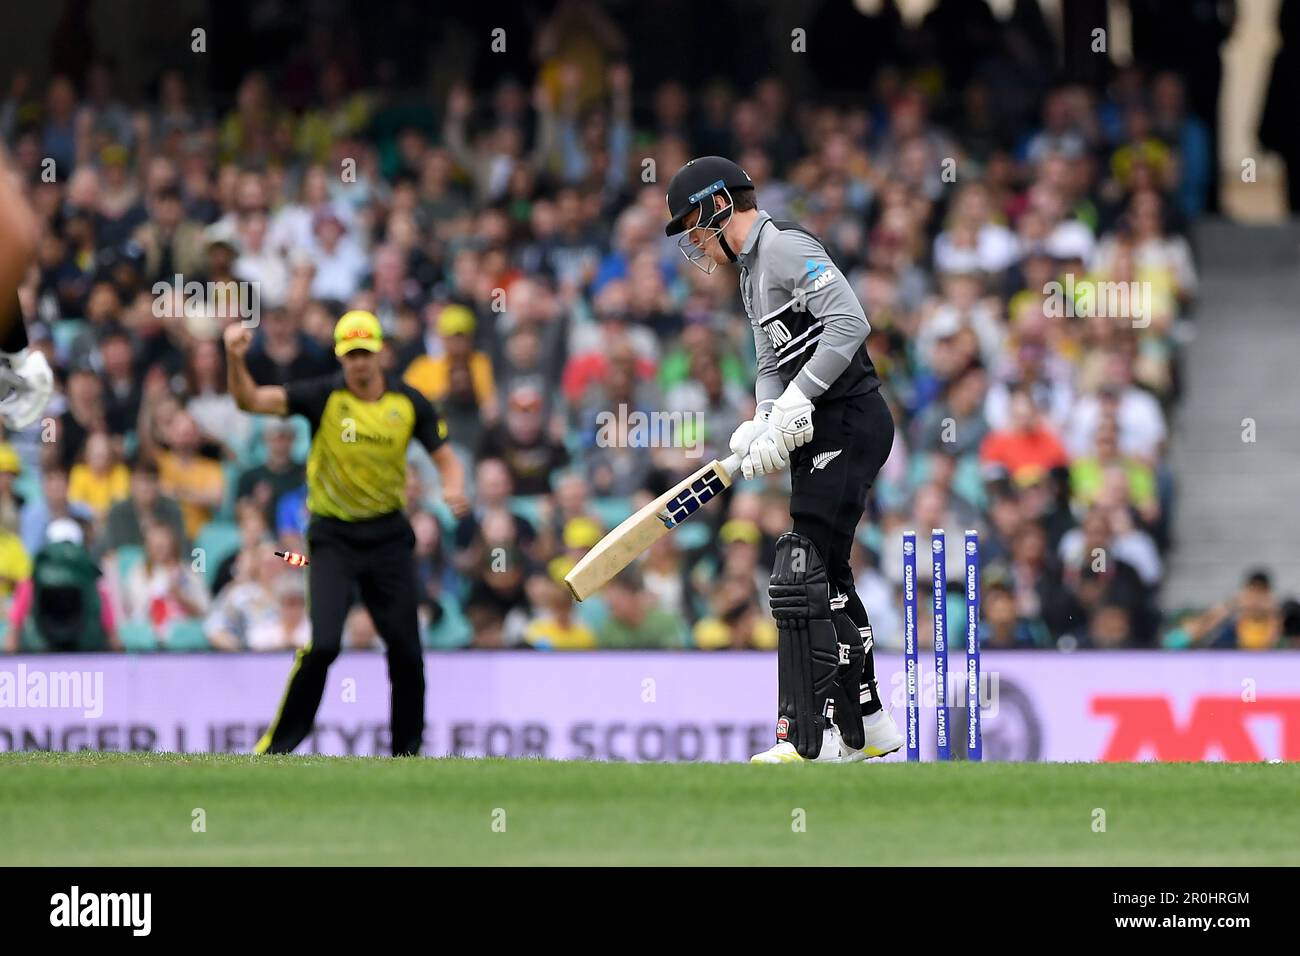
[1238, 503]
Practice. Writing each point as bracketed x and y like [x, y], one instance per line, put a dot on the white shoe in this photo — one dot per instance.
[784, 752]
[883, 738]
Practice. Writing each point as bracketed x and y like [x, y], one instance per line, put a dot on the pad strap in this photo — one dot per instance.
[848, 690]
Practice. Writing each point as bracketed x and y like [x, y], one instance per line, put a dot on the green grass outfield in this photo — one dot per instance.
[125, 809]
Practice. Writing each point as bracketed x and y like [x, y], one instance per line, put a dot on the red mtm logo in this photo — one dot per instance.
[1218, 727]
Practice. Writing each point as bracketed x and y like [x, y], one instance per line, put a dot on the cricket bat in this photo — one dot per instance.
[629, 540]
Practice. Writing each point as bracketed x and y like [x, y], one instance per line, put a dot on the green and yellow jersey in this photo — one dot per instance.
[357, 466]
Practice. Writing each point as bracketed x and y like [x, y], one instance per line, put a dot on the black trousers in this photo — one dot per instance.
[376, 557]
[829, 479]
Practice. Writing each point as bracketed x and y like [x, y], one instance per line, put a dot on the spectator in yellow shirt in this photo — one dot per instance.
[15, 564]
[736, 620]
[98, 481]
[1087, 474]
[432, 377]
[556, 628]
[1141, 148]
[11, 505]
[341, 114]
[736, 624]
[196, 483]
[1250, 621]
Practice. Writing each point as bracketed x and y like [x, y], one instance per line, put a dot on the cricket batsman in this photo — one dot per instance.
[820, 414]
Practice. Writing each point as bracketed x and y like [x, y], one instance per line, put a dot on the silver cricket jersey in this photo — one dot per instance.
[808, 324]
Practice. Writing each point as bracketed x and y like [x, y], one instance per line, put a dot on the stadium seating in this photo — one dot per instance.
[453, 631]
[217, 541]
[186, 635]
[137, 636]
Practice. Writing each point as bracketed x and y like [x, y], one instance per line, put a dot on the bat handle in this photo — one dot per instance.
[732, 464]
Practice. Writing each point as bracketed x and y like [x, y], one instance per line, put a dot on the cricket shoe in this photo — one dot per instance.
[784, 752]
[882, 740]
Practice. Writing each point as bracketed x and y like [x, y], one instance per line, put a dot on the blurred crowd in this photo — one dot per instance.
[510, 240]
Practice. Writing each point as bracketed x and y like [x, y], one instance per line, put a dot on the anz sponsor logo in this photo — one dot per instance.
[820, 272]
[823, 279]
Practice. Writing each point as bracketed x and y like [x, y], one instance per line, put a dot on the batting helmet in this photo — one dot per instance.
[697, 181]
[694, 187]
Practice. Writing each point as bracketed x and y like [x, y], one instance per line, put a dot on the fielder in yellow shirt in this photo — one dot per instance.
[358, 537]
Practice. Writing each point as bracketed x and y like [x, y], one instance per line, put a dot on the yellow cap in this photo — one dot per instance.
[559, 566]
[711, 634]
[581, 533]
[114, 154]
[9, 459]
[1027, 475]
[456, 320]
[358, 330]
[737, 530]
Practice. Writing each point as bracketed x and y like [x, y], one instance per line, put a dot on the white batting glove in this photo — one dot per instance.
[26, 383]
[745, 435]
[791, 417]
[767, 455]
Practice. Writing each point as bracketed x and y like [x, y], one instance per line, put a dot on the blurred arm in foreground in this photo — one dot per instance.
[25, 377]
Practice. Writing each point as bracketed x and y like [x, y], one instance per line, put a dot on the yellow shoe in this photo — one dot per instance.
[883, 738]
[784, 752]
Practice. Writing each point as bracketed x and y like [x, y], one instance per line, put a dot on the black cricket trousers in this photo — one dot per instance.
[829, 478]
[377, 557]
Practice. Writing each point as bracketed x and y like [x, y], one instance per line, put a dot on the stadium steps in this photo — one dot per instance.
[1235, 503]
